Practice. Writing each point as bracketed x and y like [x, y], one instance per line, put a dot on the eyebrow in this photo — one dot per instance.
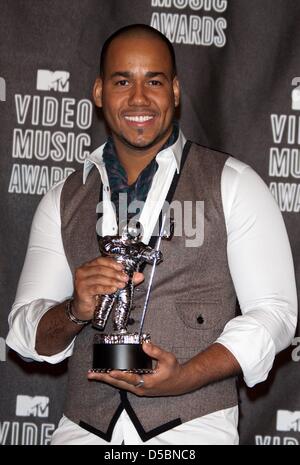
[129, 74]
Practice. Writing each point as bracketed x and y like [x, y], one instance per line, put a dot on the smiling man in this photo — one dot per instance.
[199, 344]
[138, 93]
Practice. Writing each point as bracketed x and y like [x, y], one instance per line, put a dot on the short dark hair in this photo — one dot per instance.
[136, 30]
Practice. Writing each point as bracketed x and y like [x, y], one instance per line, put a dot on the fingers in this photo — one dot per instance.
[153, 351]
[138, 278]
[130, 378]
[105, 261]
[104, 279]
[104, 271]
[103, 266]
[109, 268]
[122, 380]
[100, 276]
[159, 354]
[101, 281]
[166, 379]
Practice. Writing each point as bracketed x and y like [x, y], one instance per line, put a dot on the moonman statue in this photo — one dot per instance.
[128, 250]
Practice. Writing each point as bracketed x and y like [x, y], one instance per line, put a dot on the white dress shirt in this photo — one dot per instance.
[261, 267]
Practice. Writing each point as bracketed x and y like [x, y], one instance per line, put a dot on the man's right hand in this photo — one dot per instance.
[102, 275]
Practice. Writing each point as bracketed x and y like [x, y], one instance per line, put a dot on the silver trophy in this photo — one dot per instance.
[122, 350]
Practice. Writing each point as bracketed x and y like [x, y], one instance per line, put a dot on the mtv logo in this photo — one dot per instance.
[53, 80]
[37, 406]
[2, 90]
[288, 421]
[296, 94]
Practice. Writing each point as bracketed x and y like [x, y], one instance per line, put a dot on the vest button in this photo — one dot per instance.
[200, 319]
[131, 321]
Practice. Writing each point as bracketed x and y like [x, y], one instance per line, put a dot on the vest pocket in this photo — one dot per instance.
[200, 316]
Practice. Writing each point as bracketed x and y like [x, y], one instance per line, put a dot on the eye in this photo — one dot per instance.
[154, 83]
[122, 83]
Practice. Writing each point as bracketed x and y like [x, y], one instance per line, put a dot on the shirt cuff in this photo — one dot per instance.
[23, 323]
[251, 345]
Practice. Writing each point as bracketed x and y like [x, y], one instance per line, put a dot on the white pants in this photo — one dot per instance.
[216, 428]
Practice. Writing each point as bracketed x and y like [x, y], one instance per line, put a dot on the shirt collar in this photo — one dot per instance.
[95, 158]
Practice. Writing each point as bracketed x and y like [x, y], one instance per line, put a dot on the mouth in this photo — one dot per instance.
[139, 120]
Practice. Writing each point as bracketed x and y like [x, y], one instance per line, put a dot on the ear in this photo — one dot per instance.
[176, 91]
[97, 92]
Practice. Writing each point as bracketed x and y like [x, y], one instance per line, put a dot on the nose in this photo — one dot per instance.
[138, 96]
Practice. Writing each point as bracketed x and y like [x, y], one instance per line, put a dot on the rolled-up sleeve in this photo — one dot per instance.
[46, 280]
[262, 270]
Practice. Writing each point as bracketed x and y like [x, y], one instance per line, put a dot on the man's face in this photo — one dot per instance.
[138, 93]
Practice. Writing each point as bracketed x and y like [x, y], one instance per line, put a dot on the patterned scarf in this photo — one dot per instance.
[117, 176]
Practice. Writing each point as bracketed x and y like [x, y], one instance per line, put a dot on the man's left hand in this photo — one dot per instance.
[167, 380]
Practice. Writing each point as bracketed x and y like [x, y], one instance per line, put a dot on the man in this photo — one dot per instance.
[198, 343]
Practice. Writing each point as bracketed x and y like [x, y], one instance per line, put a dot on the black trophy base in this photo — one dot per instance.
[121, 352]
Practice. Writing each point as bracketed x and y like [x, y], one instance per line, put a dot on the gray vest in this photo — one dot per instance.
[192, 299]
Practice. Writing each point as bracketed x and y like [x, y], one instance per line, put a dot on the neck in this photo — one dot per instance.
[134, 161]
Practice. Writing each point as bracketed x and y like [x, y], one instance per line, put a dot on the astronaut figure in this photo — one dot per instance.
[131, 252]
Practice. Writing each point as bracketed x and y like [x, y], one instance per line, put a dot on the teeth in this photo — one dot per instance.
[138, 119]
